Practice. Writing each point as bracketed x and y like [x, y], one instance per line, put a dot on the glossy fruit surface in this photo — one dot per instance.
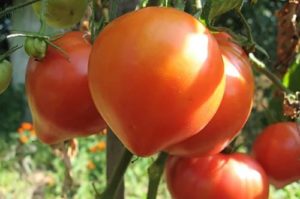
[5, 75]
[234, 109]
[157, 77]
[235, 176]
[58, 92]
[277, 149]
[62, 13]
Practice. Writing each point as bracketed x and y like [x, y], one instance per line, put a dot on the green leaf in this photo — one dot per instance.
[292, 78]
[214, 8]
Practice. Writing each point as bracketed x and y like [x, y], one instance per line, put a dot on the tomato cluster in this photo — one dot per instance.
[156, 86]
[163, 82]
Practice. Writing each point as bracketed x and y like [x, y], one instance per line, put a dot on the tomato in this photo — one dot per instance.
[148, 75]
[234, 176]
[58, 92]
[5, 75]
[277, 149]
[234, 109]
[62, 13]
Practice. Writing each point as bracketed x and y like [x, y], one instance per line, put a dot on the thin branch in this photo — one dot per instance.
[261, 67]
[13, 8]
[113, 184]
[155, 172]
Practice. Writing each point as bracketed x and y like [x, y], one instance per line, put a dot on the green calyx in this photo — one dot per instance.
[35, 47]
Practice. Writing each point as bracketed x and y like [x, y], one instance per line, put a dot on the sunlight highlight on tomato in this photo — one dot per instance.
[157, 77]
[234, 109]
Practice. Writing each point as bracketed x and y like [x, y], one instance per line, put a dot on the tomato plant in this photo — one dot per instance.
[152, 87]
[62, 13]
[234, 109]
[58, 93]
[232, 176]
[277, 149]
[5, 75]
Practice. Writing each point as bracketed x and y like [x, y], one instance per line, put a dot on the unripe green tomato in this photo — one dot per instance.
[35, 47]
[5, 75]
[62, 13]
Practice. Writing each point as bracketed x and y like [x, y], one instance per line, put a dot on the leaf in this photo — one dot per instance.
[292, 78]
[214, 8]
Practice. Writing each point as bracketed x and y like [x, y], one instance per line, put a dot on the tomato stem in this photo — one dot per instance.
[113, 184]
[261, 67]
[155, 172]
[15, 7]
[248, 29]
[9, 52]
[198, 4]
[34, 35]
[43, 17]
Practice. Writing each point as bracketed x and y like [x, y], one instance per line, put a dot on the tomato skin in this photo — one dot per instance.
[233, 176]
[5, 75]
[277, 149]
[58, 92]
[150, 82]
[62, 13]
[234, 109]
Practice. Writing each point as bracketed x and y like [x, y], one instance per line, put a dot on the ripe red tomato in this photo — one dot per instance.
[277, 149]
[5, 75]
[234, 109]
[58, 92]
[234, 176]
[62, 13]
[157, 77]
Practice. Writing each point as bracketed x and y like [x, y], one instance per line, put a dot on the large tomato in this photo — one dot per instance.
[277, 149]
[235, 176]
[234, 109]
[58, 92]
[5, 75]
[157, 77]
[62, 13]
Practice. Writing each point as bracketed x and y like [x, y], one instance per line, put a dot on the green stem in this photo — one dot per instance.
[245, 23]
[33, 35]
[13, 8]
[93, 20]
[198, 5]
[155, 172]
[9, 52]
[113, 184]
[261, 67]
[43, 17]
